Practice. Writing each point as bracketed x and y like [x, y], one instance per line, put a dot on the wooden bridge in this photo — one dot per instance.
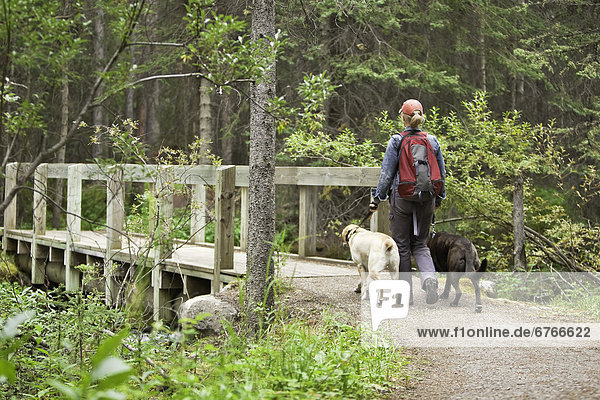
[178, 268]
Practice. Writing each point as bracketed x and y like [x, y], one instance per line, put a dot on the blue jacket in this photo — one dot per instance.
[389, 168]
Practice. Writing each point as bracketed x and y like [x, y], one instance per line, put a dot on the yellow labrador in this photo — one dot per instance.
[373, 252]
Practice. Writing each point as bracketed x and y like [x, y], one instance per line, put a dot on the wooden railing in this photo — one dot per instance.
[225, 179]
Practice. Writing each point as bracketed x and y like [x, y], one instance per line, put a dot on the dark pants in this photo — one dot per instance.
[406, 217]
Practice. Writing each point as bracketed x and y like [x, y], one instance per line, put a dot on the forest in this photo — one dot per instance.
[181, 72]
[511, 90]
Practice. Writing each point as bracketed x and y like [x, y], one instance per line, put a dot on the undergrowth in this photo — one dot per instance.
[72, 346]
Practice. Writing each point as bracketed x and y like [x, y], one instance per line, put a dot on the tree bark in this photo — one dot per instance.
[99, 40]
[520, 259]
[226, 131]
[153, 127]
[260, 274]
[205, 120]
[482, 51]
[61, 153]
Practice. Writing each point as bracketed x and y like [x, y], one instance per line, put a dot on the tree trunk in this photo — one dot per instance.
[226, 131]
[205, 120]
[259, 284]
[61, 154]
[153, 126]
[130, 92]
[520, 260]
[99, 40]
[482, 51]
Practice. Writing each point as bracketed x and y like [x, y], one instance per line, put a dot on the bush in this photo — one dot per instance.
[66, 348]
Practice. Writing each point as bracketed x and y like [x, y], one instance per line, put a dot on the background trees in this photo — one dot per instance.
[183, 69]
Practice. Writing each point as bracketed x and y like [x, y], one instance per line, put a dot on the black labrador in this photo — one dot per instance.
[456, 255]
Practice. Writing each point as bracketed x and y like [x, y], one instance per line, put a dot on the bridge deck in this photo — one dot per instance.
[195, 260]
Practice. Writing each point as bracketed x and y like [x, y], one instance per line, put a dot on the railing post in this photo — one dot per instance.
[10, 212]
[224, 212]
[115, 215]
[40, 185]
[164, 232]
[74, 180]
[307, 225]
[198, 219]
[380, 221]
[244, 217]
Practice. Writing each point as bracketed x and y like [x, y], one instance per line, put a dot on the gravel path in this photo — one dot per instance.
[467, 372]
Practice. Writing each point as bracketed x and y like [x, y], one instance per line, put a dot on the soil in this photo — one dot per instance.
[466, 372]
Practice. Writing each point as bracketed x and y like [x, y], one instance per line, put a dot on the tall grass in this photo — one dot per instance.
[63, 346]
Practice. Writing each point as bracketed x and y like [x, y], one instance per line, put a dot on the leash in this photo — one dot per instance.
[366, 217]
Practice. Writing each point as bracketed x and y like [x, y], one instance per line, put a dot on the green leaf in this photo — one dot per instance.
[107, 347]
[67, 391]
[7, 372]
[111, 372]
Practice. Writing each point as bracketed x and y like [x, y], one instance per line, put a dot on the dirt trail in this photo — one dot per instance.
[504, 372]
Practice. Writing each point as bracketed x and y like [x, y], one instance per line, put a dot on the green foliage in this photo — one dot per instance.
[58, 336]
[576, 294]
[483, 156]
[308, 137]
[503, 148]
[63, 350]
[292, 360]
[221, 48]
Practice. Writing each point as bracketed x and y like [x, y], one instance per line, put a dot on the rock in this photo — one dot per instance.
[206, 313]
[489, 288]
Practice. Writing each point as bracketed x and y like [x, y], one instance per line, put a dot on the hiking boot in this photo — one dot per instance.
[431, 287]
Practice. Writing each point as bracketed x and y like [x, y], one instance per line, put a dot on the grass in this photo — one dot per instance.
[64, 350]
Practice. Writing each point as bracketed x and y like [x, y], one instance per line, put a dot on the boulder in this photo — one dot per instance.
[488, 288]
[206, 313]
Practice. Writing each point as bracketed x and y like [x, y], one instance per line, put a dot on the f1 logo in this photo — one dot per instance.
[389, 300]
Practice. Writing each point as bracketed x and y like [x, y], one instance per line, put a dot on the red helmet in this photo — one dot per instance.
[410, 106]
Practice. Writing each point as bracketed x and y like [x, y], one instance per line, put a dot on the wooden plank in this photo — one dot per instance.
[23, 247]
[224, 213]
[307, 224]
[244, 217]
[164, 192]
[380, 221]
[198, 217]
[115, 216]
[74, 192]
[196, 175]
[10, 181]
[40, 185]
[206, 174]
[39, 257]
[39, 253]
[58, 170]
[327, 176]
[115, 209]
[316, 176]
[56, 255]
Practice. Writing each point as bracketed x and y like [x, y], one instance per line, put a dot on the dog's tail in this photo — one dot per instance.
[482, 266]
[389, 245]
[391, 251]
[476, 273]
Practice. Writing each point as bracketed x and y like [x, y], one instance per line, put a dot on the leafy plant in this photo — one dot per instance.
[293, 359]
[308, 135]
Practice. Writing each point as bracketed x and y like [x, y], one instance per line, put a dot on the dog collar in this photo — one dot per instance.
[350, 233]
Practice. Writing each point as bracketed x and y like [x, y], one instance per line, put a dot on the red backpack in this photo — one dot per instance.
[418, 170]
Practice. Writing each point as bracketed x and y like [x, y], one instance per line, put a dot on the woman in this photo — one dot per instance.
[410, 220]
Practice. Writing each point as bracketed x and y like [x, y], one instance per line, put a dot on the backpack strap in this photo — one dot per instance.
[407, 132]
